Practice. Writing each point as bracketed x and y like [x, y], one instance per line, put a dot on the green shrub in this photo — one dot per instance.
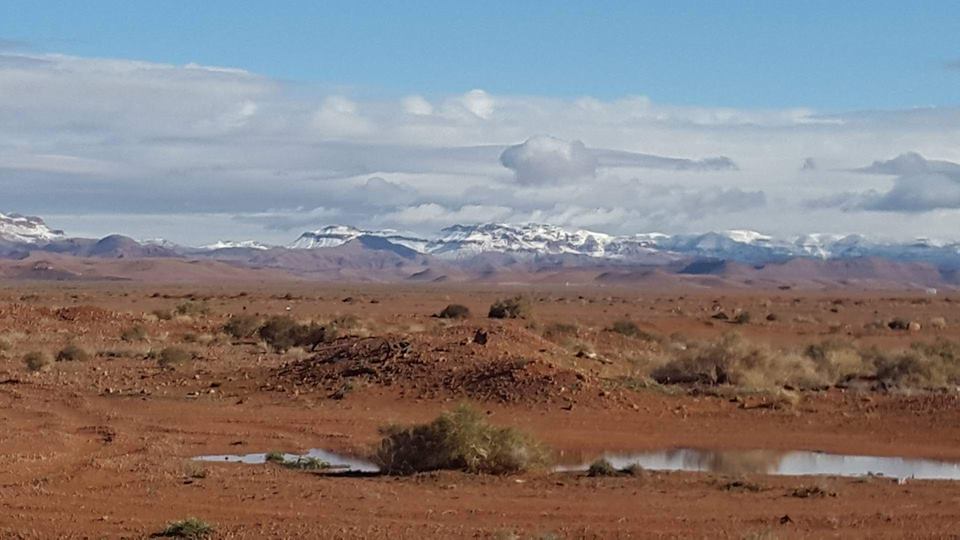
[191, 528]
[72, 353]
[242, 326]
[134, 333]
[510, 308]
[455, 311]
[37, 361]
[171, 356]
[459, 440]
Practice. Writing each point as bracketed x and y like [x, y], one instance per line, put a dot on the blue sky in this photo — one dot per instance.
[828, 55]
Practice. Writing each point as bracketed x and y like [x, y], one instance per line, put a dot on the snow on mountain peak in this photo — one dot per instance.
[233, 244]
[27, 230]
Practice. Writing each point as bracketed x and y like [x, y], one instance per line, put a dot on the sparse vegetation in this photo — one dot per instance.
[455, 311]
[628, 328]
[191, 528]
[172, 356]
[731, 360]
[242, 326]
[163, 314]
[601, 467]
[37, 361]
[516, 307]
[193, 308]
[283, 333]
[134, 333]
[72, 353]
[743, 317]
[458, 440]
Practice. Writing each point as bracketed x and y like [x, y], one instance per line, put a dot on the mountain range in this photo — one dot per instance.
[516, 253]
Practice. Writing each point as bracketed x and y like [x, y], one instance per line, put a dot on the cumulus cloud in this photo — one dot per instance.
[543, 159]
[920, 185]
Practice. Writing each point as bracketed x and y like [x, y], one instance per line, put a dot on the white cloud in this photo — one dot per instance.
[543, 159]
[417, 106]
[90, 136]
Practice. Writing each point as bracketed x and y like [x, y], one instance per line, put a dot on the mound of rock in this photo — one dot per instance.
[497, 366]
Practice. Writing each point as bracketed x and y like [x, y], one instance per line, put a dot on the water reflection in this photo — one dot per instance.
[794, 463]
[337, 461]
[728, 462]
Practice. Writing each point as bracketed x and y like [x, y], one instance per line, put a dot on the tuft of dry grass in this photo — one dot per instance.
[37, 361]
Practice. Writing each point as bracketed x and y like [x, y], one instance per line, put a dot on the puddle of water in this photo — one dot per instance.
[796, 463]
[337, 461]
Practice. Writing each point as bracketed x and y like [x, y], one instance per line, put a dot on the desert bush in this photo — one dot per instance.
[838, 361]
[601, 467]
[734, 361]
[454, 311]
[516, 307]
[242, 326]
[171, 356]
[134, 333]
[163, 314]
[192, 308]
[743, 317]
[191, 528]
[628, 328]
[282, 333]
[72, 353]
[914, 369]
[457, 440]
[37, 361]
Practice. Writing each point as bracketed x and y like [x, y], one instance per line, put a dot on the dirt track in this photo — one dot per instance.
[101, 448]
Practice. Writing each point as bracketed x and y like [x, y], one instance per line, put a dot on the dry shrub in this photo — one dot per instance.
[134, 333]
[163, 314]
[72, 353]
[516, 307]
[190, 528]
[37, 361]
[454, 311]
[838, 361]
[601, 467]
[283, 333]
[459, 440]
[191, 308]
[172, 356]
[628, 328]
[242, 326]
[735, 361]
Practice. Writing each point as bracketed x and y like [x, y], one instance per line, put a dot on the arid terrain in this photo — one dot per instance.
[109, 389]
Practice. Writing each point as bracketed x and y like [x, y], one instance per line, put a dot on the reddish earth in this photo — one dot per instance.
[101, 448]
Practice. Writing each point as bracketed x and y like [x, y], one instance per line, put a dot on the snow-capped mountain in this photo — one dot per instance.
[533, 240]
[232, 244]
[461, 241]
[338, 235]
[27, 230]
